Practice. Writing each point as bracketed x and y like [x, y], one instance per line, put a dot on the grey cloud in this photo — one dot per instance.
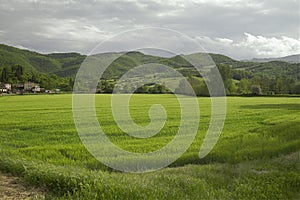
[71, 25]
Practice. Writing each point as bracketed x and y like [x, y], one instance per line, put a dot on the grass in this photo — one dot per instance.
[256, 157]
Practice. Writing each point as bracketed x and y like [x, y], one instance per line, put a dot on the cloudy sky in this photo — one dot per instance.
[241, 29]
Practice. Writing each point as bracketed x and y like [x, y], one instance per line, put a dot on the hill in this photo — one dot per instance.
[272, 69]
[29, 60]
[290, 59]
[67, 64]
[58, 70]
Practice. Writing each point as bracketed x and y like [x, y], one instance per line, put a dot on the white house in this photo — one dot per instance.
[29, 85]
[36, 89]
[5, 88]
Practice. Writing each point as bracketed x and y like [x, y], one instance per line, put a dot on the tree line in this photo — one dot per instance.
[236, 82]
[16, 74]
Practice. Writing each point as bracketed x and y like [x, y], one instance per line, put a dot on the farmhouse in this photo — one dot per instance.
[5, 88]
[32, 87]
[16, 88]
[28, 86]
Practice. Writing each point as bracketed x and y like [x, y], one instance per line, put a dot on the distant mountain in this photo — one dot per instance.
[67, 64]
[272, 69]
[290, 59]
[62, 64]
[30, 60]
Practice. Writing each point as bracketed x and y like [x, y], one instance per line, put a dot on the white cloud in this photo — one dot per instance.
[251, 46]
[180, 4]
[22, 47]
[207, 42]
[270, 46]
[236, 3]
[225, 41]
[72, 30]
[19, 46]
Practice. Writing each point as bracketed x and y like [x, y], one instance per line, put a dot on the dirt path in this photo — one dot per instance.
[12, 188]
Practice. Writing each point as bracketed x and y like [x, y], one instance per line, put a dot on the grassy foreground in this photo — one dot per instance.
[256, 157]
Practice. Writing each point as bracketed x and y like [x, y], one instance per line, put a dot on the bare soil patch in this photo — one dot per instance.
[12, 188]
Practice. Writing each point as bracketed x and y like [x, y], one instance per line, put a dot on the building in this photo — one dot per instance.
[36, 89]
[28, 86]
[5, 88]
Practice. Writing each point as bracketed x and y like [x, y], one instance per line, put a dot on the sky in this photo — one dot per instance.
[241, 29]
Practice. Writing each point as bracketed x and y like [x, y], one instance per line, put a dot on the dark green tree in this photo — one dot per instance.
[296, 89]
[19, 72]
[256, 90]
[243, 86]
[4, 75]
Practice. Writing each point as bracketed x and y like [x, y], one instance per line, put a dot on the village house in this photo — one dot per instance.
[28, 86]
[5, 88]
[37, 89]
[17, 88]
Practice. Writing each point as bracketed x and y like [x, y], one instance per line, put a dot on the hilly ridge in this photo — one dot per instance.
[290, 59]
[67, 64]
[28, 59]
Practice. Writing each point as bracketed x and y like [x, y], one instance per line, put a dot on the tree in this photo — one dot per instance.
[256, 90]
[19, 72]
[201, 89]
[183, 88]
[243, 86]
[279, 86]
[226, 74]
[296, 89]
[143, 89]
[71, 82]
[65, 87]
[4, 75]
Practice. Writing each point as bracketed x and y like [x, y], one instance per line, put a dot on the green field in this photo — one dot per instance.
[256, 157]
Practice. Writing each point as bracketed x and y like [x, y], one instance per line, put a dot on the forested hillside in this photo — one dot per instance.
[290, 59]
[58, 70]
